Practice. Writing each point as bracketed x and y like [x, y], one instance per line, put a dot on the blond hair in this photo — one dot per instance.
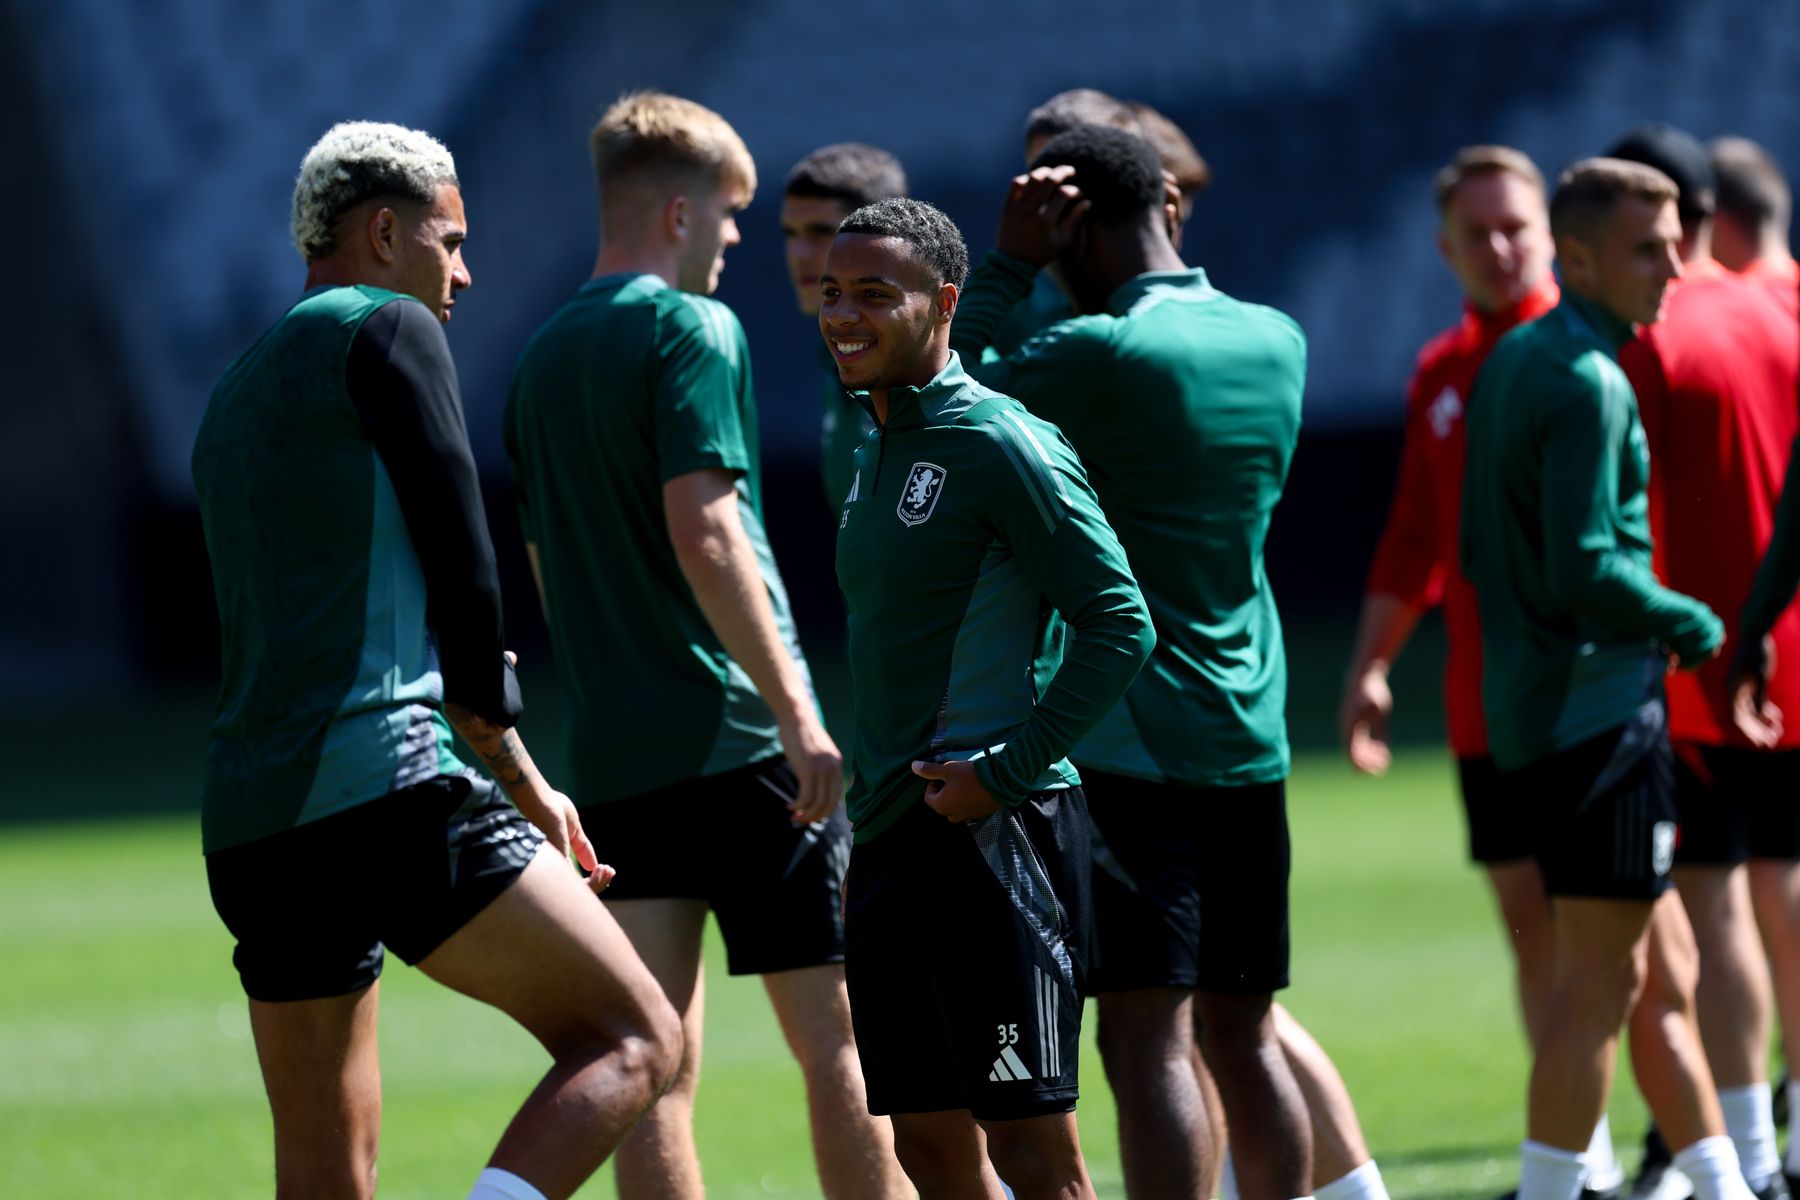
[1588, 192]
[666, 142]
[362, 160]
[1473, 162]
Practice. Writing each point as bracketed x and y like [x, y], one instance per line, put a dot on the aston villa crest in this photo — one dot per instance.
[924, 484]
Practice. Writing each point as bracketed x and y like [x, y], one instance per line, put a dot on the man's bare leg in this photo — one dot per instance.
[854, 1150]
[1270, 1137]
[548, 954]
[1166, 1143]
[323, 1076]
[1039, 1157]
[659, 1160]
[1518, 888]
[945, 1155]
[1775, 896]
[1666, 1054]
[1337, 1136]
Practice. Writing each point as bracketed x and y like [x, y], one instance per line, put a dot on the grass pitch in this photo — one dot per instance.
[126, 1067]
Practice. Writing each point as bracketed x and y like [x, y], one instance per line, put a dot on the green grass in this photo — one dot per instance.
[126, 1066]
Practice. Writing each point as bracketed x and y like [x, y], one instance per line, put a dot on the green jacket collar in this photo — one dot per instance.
[950, 393]
[1191, 280]
[1611, 331]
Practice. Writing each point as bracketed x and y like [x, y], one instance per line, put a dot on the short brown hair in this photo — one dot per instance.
[674, 141]
[1077, 106]
[1472, 162]
[1172, 146]
[1587, 193]
[1752, 190]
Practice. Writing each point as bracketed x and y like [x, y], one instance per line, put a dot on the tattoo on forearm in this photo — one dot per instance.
[507, 759]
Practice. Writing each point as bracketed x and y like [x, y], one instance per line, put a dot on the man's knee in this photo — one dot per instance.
[1029, 1157]
[345, 1168]
[932, 1159]
[1229, 1024]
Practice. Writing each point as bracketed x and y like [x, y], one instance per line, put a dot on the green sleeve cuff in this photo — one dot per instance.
[1005, 794]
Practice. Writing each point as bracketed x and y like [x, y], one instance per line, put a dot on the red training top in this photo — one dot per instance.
[1782, 278]
[1715, 382]
[1416, 560]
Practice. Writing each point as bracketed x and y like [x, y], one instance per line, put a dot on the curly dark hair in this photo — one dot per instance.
[934, 237]
[1117, 171]
[855, 173]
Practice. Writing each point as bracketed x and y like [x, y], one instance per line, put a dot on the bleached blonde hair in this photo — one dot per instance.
[357, 161]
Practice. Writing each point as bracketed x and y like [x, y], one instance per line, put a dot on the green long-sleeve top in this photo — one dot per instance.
[1779, 574]
[970, 536]
[1184, 405]
[842, 427]
[1556, 539]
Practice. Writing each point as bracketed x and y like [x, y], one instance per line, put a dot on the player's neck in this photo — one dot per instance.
[629, 256]
[336, 270]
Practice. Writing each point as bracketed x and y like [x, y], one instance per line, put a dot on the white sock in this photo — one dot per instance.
[495, 1184]
[1793, 1151]
[1364, 1183]
[1546, 1173]
[1228, 1179]
[1712, 1163]
[1604, 1171]
[1750, 1120]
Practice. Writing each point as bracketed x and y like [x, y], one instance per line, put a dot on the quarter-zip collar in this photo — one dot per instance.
[1605, 328]
[950, 393]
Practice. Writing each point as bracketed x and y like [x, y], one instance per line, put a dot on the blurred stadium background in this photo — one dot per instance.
[155, 143]
[152, 156]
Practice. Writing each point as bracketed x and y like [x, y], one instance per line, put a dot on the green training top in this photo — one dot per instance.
[331, 685]
[630, 384]
[1027, 314]
[969, 528]
[1184, 405]
[842, 427]
[1556, 539]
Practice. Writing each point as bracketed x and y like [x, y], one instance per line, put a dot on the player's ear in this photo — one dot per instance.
[675, 217]
[384, 232]
[945, 305]
[1575, 259]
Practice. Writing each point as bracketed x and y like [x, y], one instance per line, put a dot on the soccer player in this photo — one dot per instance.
[1181, 162]
[1750, 228]
[823, 189]
[1715, 382]
[360, 619]
[993, 620]
[1576, 635]
[697, 753]
[1185, 406]
[1494, 235]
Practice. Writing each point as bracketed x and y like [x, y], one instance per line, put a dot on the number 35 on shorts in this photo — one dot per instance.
[1009, 1034]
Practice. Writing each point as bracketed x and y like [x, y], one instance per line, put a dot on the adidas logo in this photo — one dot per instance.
[1007, 1067]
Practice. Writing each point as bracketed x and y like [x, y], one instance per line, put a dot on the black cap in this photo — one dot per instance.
[1677, 154]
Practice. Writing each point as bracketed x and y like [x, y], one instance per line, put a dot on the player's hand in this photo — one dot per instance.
[817, 765]
[1363, 720]
[1754, 714]
[955, 792]
[1681, 662]
[1042, 212]
[556, 818]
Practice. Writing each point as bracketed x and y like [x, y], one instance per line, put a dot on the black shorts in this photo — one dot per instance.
[1499, 826]
[311, 908]
[1604, 811]
[1190, 885]
[1737, 804]
[775, 887]
[967, 959]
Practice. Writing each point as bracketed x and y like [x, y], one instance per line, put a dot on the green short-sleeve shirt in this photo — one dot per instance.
[631, 384]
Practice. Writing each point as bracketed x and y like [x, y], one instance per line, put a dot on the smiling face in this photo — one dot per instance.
[1627, 266]
[708, 221]
[884, 314]
[808, 225]
[1495, 237]
[427, 246]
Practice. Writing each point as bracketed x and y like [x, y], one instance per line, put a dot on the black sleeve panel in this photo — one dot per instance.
[403, 385]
